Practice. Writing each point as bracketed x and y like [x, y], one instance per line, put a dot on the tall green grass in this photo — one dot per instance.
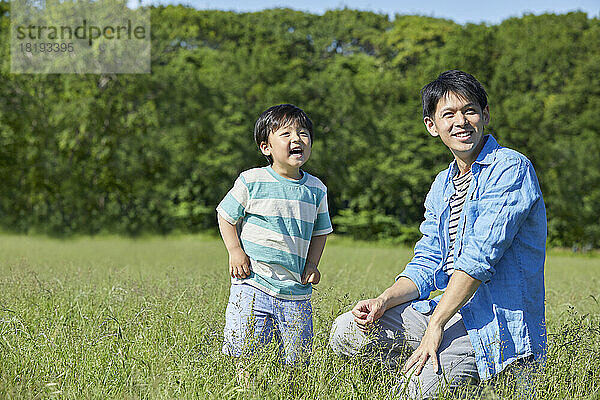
[122, 318]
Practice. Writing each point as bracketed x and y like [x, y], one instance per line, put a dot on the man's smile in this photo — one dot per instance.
[463, 134]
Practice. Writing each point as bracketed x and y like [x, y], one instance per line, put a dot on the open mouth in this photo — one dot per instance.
[297, 151]
[463, 134]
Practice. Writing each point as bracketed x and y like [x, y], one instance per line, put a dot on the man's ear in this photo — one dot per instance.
[430, 125]
[486, 115]
[265, 148]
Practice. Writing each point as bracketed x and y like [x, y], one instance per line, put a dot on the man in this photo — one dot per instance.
[483, 245]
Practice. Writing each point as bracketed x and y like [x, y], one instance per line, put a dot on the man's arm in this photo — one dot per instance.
[416, 281]
[239, 263]
[460, 289]
[427, 254]
[311, 273]
[502, 209]
[367, 311]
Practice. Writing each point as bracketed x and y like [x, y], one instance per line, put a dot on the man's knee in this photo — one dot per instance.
[413, 387]
[430, 384]
[345, 338]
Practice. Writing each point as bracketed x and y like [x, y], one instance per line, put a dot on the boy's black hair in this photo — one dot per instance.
[455, 81]
[279, 116]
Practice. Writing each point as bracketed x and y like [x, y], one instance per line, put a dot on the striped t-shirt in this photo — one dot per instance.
[278, 217]
[461, 185]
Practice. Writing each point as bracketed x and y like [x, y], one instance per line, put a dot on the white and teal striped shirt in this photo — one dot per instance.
[278, 217]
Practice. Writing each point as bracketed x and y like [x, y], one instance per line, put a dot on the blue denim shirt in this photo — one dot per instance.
[501, 241]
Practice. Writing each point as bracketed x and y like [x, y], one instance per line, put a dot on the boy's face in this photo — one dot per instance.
[460, 123]
[289, 146]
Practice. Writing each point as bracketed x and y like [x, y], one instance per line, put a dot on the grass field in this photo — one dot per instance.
[121, 318]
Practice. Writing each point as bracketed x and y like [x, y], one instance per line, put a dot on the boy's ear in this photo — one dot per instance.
[265, 148]
[430, 125]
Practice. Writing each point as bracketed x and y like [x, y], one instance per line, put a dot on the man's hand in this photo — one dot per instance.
[461, 288]
[426, 350]
[368, 311]
[239, 263]
[311, 274]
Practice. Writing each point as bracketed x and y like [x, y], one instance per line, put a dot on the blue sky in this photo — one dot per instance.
[475, 11]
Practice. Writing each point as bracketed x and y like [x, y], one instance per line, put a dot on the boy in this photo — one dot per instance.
[274, 222]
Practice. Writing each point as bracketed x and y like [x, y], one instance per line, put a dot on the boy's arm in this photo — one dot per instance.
[311, 274]
[239, 263]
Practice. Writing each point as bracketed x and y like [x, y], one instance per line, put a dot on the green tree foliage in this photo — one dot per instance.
[156, 153]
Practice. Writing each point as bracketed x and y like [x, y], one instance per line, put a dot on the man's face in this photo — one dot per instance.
[460, 123]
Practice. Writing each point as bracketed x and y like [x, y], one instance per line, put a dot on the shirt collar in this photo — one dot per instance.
[486, 155]
[280, 178]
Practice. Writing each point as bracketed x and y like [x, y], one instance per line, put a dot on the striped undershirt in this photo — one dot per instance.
[461, 185]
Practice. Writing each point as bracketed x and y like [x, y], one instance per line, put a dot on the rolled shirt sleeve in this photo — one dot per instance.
[510, 193]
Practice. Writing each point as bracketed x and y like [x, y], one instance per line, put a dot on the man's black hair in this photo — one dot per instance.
[455, 81]
[280, 116]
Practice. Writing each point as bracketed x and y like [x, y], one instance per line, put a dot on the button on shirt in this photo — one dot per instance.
[500, 241]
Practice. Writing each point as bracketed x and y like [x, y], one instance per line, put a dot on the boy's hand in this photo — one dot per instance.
[239, 263]
[311, 274]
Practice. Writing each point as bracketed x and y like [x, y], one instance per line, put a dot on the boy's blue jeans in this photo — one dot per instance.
[253, 319]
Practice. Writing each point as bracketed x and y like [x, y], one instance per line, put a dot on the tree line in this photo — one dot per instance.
[156, 152]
